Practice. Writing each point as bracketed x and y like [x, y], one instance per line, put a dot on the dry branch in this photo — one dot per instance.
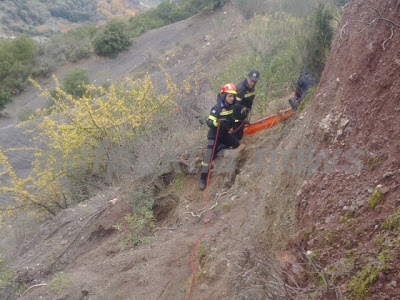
[31, 287]
[389, 38]
[76, 236]
[380, 18]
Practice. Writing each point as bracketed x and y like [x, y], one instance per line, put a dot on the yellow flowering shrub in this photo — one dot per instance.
[78, 136]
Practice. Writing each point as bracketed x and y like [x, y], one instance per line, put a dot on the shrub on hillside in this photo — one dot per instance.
[17, 59]
[317, 42]
[5, 98]
[18, 12]
[74, 10]
[112, 39]
[272, 47]
[144, 22]
[79, 140]
[75, 82]
[62, 48]
[6, 275]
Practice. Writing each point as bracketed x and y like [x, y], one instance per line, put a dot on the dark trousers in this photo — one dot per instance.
[226, 139]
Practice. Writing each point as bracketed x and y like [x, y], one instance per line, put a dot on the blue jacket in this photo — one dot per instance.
[245, 95]
[219, 111]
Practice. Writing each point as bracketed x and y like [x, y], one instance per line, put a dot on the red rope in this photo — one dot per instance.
[206, 195]
[237, 129]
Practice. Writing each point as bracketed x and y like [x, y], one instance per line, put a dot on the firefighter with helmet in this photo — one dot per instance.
[245, 96]
[220, 121]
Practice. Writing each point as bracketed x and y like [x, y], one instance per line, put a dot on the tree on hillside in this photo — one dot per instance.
[74, 10]
[317, 43]
[17, 58]
[112, 40]
[75, 82]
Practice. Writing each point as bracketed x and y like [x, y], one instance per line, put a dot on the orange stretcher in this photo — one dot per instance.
[268, 122]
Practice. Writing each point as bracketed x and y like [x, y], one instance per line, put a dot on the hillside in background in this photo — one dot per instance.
[42, 17]
[306, 210]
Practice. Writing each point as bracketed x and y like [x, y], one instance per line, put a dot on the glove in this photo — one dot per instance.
[224, 123]
[245, 111]
[240, 111]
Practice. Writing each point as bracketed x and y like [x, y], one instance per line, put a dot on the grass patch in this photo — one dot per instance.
[178, 181]
[60, 283]
[330, 238]
[393, 222]
[25, 113]
[307, 235]
[375, 198]
[6, 276]
[307, 99]
[226, 207]
[202, 253]
[138, 225]
[373, 162]
[358, 287]
[346, 217]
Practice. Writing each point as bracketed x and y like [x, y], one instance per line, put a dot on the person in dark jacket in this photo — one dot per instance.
[220, 121]
[245, 96]
[304, 83]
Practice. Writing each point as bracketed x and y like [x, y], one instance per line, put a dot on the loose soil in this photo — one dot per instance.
[270, 216]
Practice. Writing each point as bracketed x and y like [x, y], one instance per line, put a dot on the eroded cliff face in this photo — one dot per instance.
[347, 235]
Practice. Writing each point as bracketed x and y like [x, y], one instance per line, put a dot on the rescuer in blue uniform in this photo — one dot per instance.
[220, 121]
[245, 96]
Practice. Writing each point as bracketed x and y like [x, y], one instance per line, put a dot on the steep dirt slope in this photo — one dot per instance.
[81, 251]
[341, 211]
[277, 194]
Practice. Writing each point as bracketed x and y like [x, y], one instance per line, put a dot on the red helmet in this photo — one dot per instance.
[228, 89]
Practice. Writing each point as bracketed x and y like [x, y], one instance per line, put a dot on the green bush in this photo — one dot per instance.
[62, 48]
[6, 276]
[25, 113]
[375, 198]
[144, 22]
[317, 42]
[273, 49]
[75, 81]
[74, 10]
[17, 58]
[358, 286]
[112, 40]
[5, 97]
[392, 222]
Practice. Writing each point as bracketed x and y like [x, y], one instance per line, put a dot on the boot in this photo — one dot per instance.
[222, 147]
[202, 184]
